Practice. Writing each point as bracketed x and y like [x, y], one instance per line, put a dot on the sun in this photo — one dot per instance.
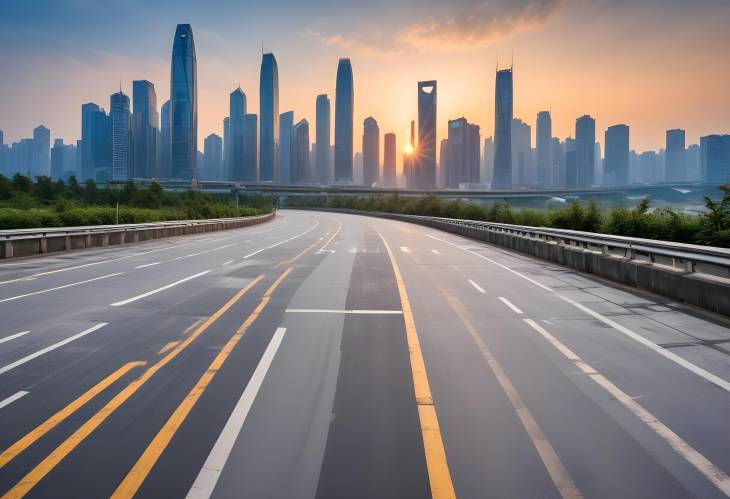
[408, 149]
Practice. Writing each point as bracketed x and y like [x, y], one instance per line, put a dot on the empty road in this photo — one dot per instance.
[340, 356]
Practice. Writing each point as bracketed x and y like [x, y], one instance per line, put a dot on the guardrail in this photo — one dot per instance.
[28, 242]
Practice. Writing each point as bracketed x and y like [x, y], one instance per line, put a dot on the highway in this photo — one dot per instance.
[340, 356]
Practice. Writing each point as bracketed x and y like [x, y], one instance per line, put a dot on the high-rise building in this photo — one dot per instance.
[521, 141]
[692, 162]
[585, 140]
[42, 151]
[616, 163]
[674, 163]
[96, 144]
[544, 136]
[460, 158]
[503, 130]
[235, 146]
[213, 154]
[715, 158]
[371, 152]
[63, 160]
[89, 112]
[425, 167]
[183, 105]
[409, 159]
[389, 155]
[487, 171]
[322, 140]
[571, 163]
[558, 163]
[344, 109]
[286, 124]
[650, 168]
[145, 130]
[269, 119]
[121, 136]
[250, 148]
[299, 155]
[165, 169]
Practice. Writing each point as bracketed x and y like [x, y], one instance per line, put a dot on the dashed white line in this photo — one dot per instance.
[476, 286]
[147, 265]
[12, 398]
[510, 305]
[405, 249]
[154, 291]
[332, 311]
[226, 263]
[282, 242]
[435, 252]
[59, 287]
[13, 336]
[50, 348]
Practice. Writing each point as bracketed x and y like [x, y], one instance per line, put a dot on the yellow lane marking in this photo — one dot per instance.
[51, 461]
[167, 347]
[137, 475]
[305, 250]
[191, 327]
[50, 423]
[439, 476]
[555, 467]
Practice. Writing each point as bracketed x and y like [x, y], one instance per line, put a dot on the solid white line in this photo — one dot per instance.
[476, 286]
[59, 287]
[282, 242]
[725, 385]
[147, 265]
[12, 398]
[42, 351]
[163, 288]
[700, 462]
[13, 336]
[331, 311]
[510, 305]
[435, 252]
[226, 263]
[216, 461]
[405, 249]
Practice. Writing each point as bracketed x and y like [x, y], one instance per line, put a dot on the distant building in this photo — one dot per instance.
[42, 151]
[63, 160]
[692, 162]
[460, 159]
[425, 166]
[235, 149]
[96, 144]
[558, 163]
[674, 159]
[544, 135]
[300, 152]
[145, 130]
[269, 119]
[322, 140]
[250, 148]
[409, 159]
[121, 136]
[571, 163]
[650, 168]
[502, 178]
[371, 152]
[165, 169]
[183, 105]
[213, 157]
[521, 139]
[487, 171]
[389, 159]
[616, 164]
[344, 109]
[715, 158]
[585, 139]
[286, 123]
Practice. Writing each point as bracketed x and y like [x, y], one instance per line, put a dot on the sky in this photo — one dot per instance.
[652, 64]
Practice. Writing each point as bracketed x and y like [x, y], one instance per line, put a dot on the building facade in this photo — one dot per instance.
[390, 178]
[585, 140]
[269, 119]
[425, 162]
[183, 105]
[371, 152]
[145, 130]
[616, 163]
[322, 140]
[344, 109]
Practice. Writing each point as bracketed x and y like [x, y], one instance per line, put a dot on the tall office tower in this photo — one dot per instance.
[344, 109]
[225, 170]
[183, 105]
[544, 136]
[269, 119]
[145, 130]
[89, 112]
[286, 123]
[571, 163]
[521, 142]
[370, 152]
[558, 163]
[213, 154]
[96, 144]
[121, 136]
[41, 151]
[650, 167]
[389, 148]
[616, 163]
[409, 159]
[322, 140]
[585, 140]
[235, 146]
[250, 148]
[692, 162]
[425, 166]
[165, 169]
[715, 158]
[487, 171]
[299, 152]
[460, 160]
[63, 160]
[503, 130]
[674, 166]
[57, 160]
[3, 154]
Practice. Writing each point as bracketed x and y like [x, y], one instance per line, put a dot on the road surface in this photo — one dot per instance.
[338, 356]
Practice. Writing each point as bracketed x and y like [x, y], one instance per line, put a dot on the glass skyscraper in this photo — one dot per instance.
[269, 119]
[616, 163]
[585, 151]
[322, 140]
[344, 108]
[250, 148]
[674, 161]
[370, 152]
[183, 105]
[145, 130]
[234, 150]
[121, 136]
[165, 141]
[426, 152]
[286, 124]
[544, 137]
[502, 177]
[389, 154]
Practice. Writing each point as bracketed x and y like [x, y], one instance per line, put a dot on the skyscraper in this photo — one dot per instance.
[715, 158]
[674, 163]
[269, 119]
[371, 152]
[571, 163]
[41, 151]
[389, 148]
[121, 136]
[344, 108]
[183, 105]
[544, 149]
[63, 160]
[286, 124]
[165, 169]
[299, 155]
[502, 178]
[521, 139]
[426, 156]
[250, 148]
[213, 153]
[322, 140]
[235, 147]
[145, 130]
[461, 154]
[616, 163]
[585, 140]
[487, 173]
[409, 159]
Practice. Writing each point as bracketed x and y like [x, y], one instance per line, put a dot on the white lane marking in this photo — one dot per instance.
[216, 461]
[510, 305]
[435, 252]
[154, 291]
[725, 385]
[59, 287]
[12, 398]
[322, 249]
[226, 263]
[405, 249]
[49, 348]
[700, 462]
[13, 336]
[523, 276]
[282, 242]
[476, 286]
[331, 311]
[147, 265]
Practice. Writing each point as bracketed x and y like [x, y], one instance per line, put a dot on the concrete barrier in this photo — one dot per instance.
[57, 240]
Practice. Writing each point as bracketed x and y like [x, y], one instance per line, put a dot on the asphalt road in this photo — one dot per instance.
[338, 356]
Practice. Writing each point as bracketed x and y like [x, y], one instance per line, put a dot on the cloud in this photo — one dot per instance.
[377, 47]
